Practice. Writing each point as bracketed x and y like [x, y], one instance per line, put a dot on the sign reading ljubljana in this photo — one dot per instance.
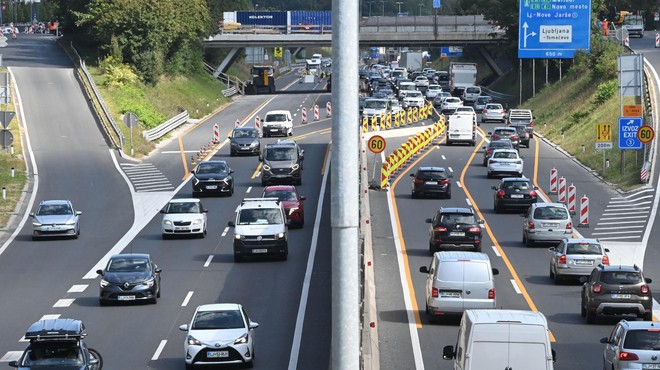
[553, 28]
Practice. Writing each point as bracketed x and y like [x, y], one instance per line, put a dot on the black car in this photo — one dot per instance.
[282, 163]
[616, 290]
[495, 144]
[431, 181]
[212, 177]
[506, 133]
[58, 344]
[129, 277]
[454, 229]
[514, 192]
[523, 134]
[244, 140]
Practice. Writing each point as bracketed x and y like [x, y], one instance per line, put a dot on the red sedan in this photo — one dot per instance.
[292, 201]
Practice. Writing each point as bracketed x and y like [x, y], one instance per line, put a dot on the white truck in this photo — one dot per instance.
[411, 60]
[461, 76]
[634, 24]
[461, 128]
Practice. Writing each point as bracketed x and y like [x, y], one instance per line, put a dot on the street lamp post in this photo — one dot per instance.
[382, 2]
[420, 8]
[399, 4]
[370, 2]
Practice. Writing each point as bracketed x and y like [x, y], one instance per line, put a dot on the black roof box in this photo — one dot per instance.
[55, 329]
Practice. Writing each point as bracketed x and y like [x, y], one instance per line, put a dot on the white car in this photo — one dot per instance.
[413, 99]
[433, 91]
[220, 333]
[450, 104]
[505, 161]
[421, 81]
[184, 216]
[277, 122]
[493, 112]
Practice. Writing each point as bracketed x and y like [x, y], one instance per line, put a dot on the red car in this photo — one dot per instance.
[292, 201]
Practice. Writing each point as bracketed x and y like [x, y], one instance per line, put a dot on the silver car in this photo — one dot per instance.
[55, 218]
[576, 257]
[493, 112]
[546, 223]
[505, 161]
[632, 345]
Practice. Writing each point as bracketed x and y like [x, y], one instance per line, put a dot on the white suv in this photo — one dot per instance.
[277, 122]
[261, 229]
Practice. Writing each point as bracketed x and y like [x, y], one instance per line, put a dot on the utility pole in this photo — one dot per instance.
[399, 4]
[382, 2]
[420, 8]
[370, 2]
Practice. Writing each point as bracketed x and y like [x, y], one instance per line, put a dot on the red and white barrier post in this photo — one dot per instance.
[627, 41]
[303, 114]
[553, 181]
[562, 190]
[571, 199]
[328, 110]
[584, 212]
[316, 112]
[257, 123]
[216, 134]
[237, 123]
[657, 40]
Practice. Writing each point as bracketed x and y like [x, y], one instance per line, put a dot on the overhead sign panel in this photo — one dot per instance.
[553, 28]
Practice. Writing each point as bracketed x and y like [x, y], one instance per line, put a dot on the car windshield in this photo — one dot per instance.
[190, 207]
[452, 100]
[211, 168]
[270, 216]
[473, 90]
[245, 133]
[505, 155]
[414, 94]
[504, 132]
[583, 248]
[54, 210]
[280, 194]
[500, 144]
[432, 175]
[128, 265]
[482, 100]
[276, 117]
[457, 218]
[520, 120]
[642, 339]
[621, 277]
[280, 154]
[516, 185]
[550, 213]
[376, 104]
[216, 320]
[53, 354]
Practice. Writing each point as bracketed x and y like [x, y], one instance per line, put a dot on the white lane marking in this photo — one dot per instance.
[302, 306]
[618, 223]
[208, 261]
[18, 101]
[249, 189]
[225, 231]
[11, 355]
[623, 217]
[159, 350]
[618, 232]
[616, 200]
[468, 202]
[66, 302]
[497, 252]
[258, 174]
[627, 226]
[450, 169]
[637, 192]
[603, 238]
[515, 286]
[443, 156]
[78, 288]
[458, 183]
[629, 205]
[187, 299]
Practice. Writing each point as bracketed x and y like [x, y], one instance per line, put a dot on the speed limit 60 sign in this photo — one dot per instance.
[376, 144]
[645, 134]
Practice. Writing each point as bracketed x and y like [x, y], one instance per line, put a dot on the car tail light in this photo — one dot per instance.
[562, 260]
[606, 260]
[596, 288]
[491, 294]
[419, 181]
[439, 229]
[500, 193]
[569, 226]
[434, 293]
[644, 289]
[444, 182]
[484, 111]
[627, 356]
[494, 137]
[530, 225]
[489, 151]
[532, 193]
[514, 137]
[474, 229]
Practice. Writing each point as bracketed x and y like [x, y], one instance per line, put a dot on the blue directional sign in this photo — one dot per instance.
[628, 127]
[436, 4]
[553, 28]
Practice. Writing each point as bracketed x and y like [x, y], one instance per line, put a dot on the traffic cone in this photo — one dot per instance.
[192, 160]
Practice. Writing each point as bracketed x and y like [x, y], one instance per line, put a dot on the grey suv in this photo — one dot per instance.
[616, 290]
[454, 229]
[282, 162]
[632, 345]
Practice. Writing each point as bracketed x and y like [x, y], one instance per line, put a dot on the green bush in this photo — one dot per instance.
[604, 92]
[117, 74]
[132, 99]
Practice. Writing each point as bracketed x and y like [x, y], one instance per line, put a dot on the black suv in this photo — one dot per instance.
[212, 177]
[282, 162]
[514, 192]
[523, 134]
[58, 344]
[616, 290]
[431, 180]
[454, 229]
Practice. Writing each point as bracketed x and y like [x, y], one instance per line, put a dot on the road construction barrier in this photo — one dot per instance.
[365, 124]
[328, 110]
[627, 42]
[396, 119]
[374, 123]
[410, 117]
[303, 115]
[257, 123]
[216, 134]
[389, 121]
[415, 114]
[584, 212]
[657, 40]
[382, 121]
[553, 181]
[384, 175]
[237, 123]
[316, 112]
[562, 190]
[571, 199]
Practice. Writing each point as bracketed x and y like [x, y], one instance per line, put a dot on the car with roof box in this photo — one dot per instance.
[260, 229]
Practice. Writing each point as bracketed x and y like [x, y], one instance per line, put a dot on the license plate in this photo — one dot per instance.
[260, 251]
[456, 233]
[517, 196]
[217, 354]
[126, 298]
[450, 295]
[273, 130]
[650, 366]
[621, 296]
[431, 183]
[211, 187]
[584, 262]
[179, 228]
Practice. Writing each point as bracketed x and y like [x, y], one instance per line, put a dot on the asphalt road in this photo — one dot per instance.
[290, 300]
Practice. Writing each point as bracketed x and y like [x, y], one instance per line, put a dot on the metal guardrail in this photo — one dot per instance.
[104, 114]
[230, 91]
[497, 96]
[166, 126]
[230, 81]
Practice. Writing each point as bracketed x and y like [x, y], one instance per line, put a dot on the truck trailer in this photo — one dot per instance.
[461, 76]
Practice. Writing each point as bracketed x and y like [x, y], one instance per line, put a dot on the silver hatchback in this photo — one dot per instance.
[546, 223]
[576, 257]
[632, 345]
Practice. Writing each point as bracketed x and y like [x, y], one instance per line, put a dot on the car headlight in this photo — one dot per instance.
[71, 223]
[238, 236]
[167, 222]
[292, 209]
[280, 236]
[266, 167]
[254, 144]
[104, 283]
[192, 341]
[149, 282]
[243, 339]
[197, 221]
[36, 224]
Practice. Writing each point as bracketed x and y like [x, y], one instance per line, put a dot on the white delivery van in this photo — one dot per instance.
[461, 128]
[501, 340]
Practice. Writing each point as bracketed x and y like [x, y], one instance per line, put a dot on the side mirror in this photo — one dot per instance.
[100, 272]
[78, 213]
[302, 197]
[229, 137]
[552, 249]
[428, 221]
[261, 157]
[494, 187]
[648, 280]
[158, 270]
[32, 214]
[162, 211]
[448, 352]
[412, 175]
[231, 171]
[424, 269]
[605, 340]
[183, 327]
[606, 250]
[583, 279]
[205, 210]
[13, 363]
[231, 224]
[451, 176]
[253, 325]
[496, 271]
[192, 171]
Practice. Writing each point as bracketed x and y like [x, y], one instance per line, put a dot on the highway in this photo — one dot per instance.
[71, 160]
[409, 341]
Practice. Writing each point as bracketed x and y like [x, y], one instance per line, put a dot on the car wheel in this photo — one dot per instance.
[238, 258]
[583, 309]
[285, 254]
[528, 243]
[189, 366]
[299, 181]
[558, 279]
[232, 153]
[413, 195]
[448, 195]
[263, 183]
[431, 248]
[591, 317]
[648, 316]
[231, 191]
[552, 274]
[158, 292]
[489, 175]
[448, 143]
[497, 208]
[103, 302]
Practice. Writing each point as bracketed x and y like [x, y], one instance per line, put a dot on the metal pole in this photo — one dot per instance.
[344, 185]
[533, 77]
[520, 81]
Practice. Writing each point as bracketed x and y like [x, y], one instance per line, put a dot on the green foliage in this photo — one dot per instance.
[604, 92]
[132, 99]
[117, 74]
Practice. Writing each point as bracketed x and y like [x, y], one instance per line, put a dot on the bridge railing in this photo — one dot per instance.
[428, 24]
[278, 30]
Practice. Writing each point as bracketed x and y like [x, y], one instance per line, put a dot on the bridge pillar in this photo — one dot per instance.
[229, 59]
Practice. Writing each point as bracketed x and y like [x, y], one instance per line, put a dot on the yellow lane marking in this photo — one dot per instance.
[321, 131]
[325, 159]
[256, 172]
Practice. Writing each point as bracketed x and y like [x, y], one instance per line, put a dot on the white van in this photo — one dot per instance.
[457, 281]
[277, 122]
[502, 339]
[461, 128]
